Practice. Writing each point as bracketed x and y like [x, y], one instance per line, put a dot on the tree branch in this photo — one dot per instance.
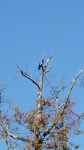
[60, 116]
[72, 85]
[47, 64]
[61, 113]
[6, 139]
[25, 74]
[39, 105]
[8, 133]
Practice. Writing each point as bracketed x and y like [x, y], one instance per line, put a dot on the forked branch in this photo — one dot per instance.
[61, 113]
[72, 85]
[8, 133]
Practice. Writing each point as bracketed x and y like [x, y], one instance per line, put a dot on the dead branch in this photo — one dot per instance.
[39, 106]
[63, 110]
[71, 87]
[47, 65]
[8, 133]
[6, 139]
[57, 96]
[26, 75]
[60, 116]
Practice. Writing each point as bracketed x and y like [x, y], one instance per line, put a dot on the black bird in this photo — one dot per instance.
[41, 64]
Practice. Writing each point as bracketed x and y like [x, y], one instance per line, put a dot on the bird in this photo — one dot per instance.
[41, 64]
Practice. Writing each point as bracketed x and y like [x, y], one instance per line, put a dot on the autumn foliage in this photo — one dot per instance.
[49, 125]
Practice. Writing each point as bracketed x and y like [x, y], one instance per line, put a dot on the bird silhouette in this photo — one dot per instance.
[41, 64]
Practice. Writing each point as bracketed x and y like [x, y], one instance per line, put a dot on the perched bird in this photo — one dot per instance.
[41, 64]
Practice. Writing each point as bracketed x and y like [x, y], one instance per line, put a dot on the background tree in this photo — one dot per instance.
[50, 124]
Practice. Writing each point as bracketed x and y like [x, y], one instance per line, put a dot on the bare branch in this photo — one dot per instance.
[60, 115]
[57, 98]
[52, 125]
[72, 85]
[6, 139]
[30, 78]
[39, 106]
[47, 65]
[44, 54]
[8, 133]
[25, 74]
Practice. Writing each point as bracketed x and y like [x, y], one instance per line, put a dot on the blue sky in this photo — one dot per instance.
[27, 27]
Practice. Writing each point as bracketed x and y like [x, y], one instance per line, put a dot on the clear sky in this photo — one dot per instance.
[27, 27]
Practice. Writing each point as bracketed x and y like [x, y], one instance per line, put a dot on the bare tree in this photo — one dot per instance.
[49, 125]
